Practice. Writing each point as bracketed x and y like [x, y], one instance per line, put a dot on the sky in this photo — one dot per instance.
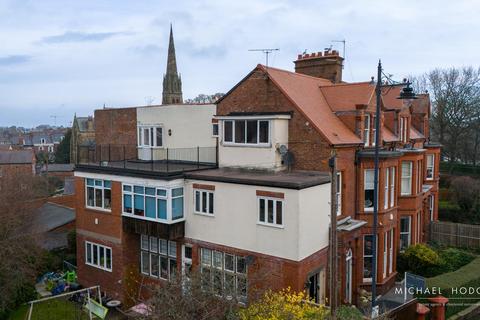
[63, 57]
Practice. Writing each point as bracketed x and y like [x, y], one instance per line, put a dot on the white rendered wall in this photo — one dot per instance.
[255, 156]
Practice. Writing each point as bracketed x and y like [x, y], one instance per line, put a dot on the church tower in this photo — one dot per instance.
[172, 82]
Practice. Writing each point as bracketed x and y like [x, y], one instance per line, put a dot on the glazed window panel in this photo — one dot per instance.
[270, 211]
[224, 274]
[367, 257]
[339, 193]
[98, 256]
[156, 261]
[406, 188]
[98, 194]
[204, 201]
[368, 189]
[430, 167]
[405, 232]
[246, 132]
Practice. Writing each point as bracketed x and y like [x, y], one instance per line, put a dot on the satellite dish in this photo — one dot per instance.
[283, 149]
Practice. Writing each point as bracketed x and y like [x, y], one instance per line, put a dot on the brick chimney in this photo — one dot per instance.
[327, 65]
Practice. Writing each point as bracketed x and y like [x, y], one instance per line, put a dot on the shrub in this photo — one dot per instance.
[419, 258]
[284, 304]
[349, 313]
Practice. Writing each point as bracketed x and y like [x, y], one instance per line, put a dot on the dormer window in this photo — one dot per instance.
[403, 129]
[246, 132]
[366, 132]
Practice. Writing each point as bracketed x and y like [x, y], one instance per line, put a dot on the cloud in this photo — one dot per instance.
[74, 36]
[14, 59]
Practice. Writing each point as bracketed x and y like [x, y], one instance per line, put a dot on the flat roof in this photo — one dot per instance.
[279, 179]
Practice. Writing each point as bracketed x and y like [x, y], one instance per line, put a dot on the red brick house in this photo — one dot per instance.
[17, 162]
[241, 190]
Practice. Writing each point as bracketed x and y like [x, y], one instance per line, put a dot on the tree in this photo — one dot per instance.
[19, 255]
[62, 154]
[284, 305]
[455, 118]
[205, 98]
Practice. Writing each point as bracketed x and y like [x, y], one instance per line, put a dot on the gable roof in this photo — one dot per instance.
[16, 156]
[346, 96]
[303, 91]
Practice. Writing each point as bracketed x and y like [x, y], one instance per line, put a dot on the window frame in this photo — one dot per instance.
[247, 144]
[215, 128]
[386, 189]
[152, 136]
[339, 193]
[98, 246]
[392, 237]
[385, 253]
[168, 197]
[431, 206]
[95, 187]
[159, 253]
[200, 191]
[275, 200]
[407, 233]
[368, 280]
[368, 209]
[366, 130]
[409, 177]
[392, 186]
[429, 166]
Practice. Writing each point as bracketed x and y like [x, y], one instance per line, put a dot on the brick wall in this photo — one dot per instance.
[117, 127]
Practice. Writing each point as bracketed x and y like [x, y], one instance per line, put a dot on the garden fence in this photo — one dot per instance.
[455, 234]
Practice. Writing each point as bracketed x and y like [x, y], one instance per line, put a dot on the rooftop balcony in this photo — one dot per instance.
[164, 162]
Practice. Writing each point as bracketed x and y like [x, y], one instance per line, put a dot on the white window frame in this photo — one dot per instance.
[160, 254]
[392, 237]
[430, 167]
[152, 136]
[199, 193]
[431, 206]
[258, 143]
[167, 197]
[406, 177]
[419, 176]
[392, 186]
[95, 187]
[408, 233]
[374, 129]
[368, 256]
[419, 223]
[386, 187]
[215, 125]
[339, 193]
[98, 265]
[368, 209]
[385, 254]
[366, 130]
[213, 268]
[275, 200]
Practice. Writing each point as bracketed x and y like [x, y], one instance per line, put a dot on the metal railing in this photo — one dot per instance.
[147, 158]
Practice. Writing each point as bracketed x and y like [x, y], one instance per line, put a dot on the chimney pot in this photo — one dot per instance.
[300, 57]
[319, 53]
[312, 55]
[335, 52]
[306, 55]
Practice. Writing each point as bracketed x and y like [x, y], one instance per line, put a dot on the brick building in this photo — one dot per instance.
[17, 162]
[241, 191]
[83, 135]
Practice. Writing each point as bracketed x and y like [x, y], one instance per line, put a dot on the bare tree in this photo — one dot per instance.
[205, 98]
[20, 194]
[455, 118]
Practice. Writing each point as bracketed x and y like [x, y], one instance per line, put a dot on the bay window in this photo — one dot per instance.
[390, 264]
[154, 203]
[431, 204]
[406, 188]
[430, 166]
[98, 194]
[385, 254]
[246, 132]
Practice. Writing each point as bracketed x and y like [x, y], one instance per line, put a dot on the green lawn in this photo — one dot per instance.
[467, 276]
[55, 309]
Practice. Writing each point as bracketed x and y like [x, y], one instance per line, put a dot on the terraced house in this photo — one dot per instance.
[240, 190]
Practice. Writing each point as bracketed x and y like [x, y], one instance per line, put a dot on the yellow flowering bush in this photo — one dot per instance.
[284, 305]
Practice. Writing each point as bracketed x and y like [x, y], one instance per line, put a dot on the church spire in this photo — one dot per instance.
[172, 82]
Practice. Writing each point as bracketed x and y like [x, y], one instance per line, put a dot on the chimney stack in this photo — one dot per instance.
[327, 65]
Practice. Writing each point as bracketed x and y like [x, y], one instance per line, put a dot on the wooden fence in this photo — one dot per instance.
[455, 234]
